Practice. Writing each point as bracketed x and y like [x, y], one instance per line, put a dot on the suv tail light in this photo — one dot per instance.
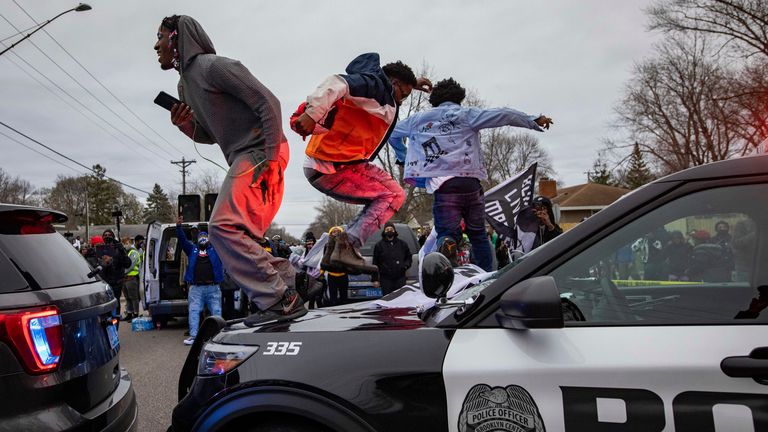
[35, 335]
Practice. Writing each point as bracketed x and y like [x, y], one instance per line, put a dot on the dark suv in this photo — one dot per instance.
[59, 349]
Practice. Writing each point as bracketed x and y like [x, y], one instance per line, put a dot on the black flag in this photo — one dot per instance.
[503, 202]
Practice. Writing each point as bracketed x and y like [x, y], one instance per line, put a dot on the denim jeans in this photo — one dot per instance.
[361, 183]
[450, 208]
[199, 296]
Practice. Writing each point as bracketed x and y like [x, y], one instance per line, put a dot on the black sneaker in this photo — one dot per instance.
[290, 307]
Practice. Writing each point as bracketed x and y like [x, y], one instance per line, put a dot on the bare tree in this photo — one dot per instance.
[332, 213]
[68, 195]
[677, 107]
[207, 181]
[15, 190]
[738, 28]
[133, 210]
[506, 153]
[739, 25]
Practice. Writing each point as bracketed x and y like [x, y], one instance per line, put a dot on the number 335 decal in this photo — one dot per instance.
[283, 348]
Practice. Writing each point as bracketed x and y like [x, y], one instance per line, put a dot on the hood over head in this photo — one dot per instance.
[193, 41]
[365, 75]
[388, 225]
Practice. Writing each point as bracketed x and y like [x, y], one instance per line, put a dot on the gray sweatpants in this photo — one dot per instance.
[242, 214]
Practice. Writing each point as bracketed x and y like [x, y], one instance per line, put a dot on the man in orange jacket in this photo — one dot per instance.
[350, 117]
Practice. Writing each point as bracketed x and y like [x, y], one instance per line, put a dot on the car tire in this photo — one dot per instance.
[290, 425]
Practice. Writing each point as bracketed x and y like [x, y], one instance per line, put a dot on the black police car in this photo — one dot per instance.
[59, 348]
[625, 322]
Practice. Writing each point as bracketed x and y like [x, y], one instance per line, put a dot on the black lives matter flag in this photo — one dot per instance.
[503, 202]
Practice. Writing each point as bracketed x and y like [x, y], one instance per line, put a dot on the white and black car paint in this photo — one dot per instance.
[549, 344]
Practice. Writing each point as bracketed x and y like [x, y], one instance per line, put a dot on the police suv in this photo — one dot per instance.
[616, 325]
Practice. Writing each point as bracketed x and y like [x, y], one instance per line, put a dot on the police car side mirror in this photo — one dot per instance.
[436, 275]
[532, 303]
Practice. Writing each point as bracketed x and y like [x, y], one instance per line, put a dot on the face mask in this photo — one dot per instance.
[202, 243]
[389, 235]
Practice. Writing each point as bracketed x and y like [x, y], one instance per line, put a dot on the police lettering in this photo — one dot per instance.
[692, 411]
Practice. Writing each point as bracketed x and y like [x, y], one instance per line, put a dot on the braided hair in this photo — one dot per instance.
[171, 22]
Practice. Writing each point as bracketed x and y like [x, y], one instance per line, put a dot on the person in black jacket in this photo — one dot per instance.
[113, 260]
[393, 257]
[548, 229]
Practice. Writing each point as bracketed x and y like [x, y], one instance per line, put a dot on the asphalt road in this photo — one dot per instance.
[154, 359]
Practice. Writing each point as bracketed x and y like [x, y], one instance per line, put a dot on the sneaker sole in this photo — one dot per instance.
[282, 318]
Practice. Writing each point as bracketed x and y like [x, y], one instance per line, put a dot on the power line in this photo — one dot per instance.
[92, 95]
[78, 110]
[99, 82]
[39, 152]
[72, 160]
[82, 86]
[18, 33]
[117, 138]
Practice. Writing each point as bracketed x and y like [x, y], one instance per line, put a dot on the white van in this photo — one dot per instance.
[164, 295]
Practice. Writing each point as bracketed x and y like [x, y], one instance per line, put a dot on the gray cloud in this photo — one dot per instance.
[567, 59]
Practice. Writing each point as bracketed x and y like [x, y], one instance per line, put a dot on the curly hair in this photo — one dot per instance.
[447, 90]
[171, 23]
[400, 71]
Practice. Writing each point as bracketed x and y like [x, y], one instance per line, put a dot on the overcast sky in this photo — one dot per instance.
[567, 59]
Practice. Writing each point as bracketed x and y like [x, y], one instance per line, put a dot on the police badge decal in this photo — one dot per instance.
[487, 409]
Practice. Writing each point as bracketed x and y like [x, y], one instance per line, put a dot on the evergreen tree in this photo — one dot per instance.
[103, 196]
[638, 172]
[159, 207]
[600, 173]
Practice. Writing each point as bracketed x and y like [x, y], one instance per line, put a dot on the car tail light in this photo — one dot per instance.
[216, 359]
[35, 335]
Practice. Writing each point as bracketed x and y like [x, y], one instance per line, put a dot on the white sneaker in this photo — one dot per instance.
[189, 341]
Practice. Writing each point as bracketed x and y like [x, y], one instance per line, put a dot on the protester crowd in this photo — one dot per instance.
[347, 119]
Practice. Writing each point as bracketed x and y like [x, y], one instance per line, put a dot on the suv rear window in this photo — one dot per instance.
[11, 280]
[45, 260]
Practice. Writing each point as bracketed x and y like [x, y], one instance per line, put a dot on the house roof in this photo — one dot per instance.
[588, 195]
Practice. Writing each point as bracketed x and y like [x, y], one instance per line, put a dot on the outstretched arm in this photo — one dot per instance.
[186, 245]
[497, 117]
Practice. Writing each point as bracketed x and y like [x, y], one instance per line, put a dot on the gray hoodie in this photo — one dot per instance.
[231, 107]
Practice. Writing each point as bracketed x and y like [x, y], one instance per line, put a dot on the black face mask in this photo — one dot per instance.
[109, 240]
[389, 235]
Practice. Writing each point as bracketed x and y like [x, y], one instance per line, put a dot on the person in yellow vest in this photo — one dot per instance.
[131, 282]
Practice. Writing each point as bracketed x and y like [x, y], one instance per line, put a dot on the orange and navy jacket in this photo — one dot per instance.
[357, 109]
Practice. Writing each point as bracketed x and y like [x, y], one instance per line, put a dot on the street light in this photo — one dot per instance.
[79, 8]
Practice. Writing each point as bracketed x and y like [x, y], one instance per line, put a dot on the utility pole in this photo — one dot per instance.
[87, 217]
[183, 163]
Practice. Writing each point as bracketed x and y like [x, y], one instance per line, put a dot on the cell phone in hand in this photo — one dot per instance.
[166, 101]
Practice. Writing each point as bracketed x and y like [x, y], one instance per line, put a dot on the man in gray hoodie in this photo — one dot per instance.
[222, 102]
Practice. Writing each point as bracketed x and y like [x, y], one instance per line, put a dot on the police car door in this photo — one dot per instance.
[665, 331]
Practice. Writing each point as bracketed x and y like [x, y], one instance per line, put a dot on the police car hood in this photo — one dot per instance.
[358, 317]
